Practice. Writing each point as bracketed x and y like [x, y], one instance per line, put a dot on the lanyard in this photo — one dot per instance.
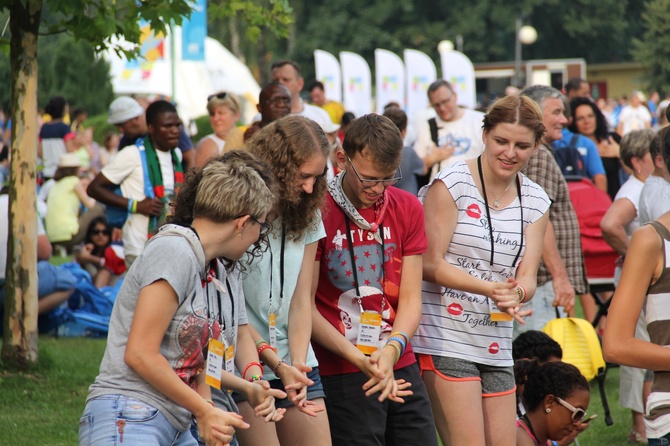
[353, 263]
[488, 213]
[221, 316]
[281, 271]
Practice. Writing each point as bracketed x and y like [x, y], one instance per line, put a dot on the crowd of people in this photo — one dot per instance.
[320, 278]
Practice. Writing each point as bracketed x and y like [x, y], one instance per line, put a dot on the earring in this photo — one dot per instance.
[239, 234]
[547, 410]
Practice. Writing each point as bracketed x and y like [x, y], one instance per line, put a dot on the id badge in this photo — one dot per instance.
[496, 314]
[214, 363]
[230, 359]
[369, 330]
[272, 318]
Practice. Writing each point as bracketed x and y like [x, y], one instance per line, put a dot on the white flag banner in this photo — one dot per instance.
[357, 84]
[389, 79]
[421, 73]
[460, 73]
[328, 72]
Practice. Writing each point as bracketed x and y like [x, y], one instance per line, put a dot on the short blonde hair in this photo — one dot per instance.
[223, 99]
[227, 187]
[635, 144]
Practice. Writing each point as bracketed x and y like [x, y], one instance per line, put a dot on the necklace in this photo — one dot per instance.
[496, 202]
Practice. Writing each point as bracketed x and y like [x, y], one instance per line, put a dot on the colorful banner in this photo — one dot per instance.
[421, 73]
[152, 50]
[193, 32]
[459, 72]
[389, 79]
[357, 84]
[328, 72]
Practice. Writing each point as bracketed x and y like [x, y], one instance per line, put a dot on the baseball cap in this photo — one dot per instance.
[329, 126]
[124, 109]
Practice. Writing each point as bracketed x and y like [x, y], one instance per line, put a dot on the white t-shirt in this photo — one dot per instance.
[634, 118]
[317, 114]
[456, 323]
[126, 170]
[464, 133]
[631, 190]
[654, 199]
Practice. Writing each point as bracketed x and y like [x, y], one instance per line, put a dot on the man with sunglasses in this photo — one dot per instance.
[368, 294]
[455, 134]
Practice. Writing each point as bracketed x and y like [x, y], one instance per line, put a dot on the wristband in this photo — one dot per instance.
[256, 378]
[262, 341]
[102, 262]
[276, 367]
[400, 341]
[210, 402]
[264, 347]
[131, 203]
[401, 333]
[521, 292]
[251, 364]
[398, 350]
[134, 211]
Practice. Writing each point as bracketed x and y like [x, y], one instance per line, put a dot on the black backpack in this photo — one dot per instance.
[570, 160]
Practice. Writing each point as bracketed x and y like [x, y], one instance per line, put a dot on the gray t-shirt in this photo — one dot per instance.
[176, 256]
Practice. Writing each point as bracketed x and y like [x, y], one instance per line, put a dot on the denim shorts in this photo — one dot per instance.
[52, 278]
[663, 441]
[313, 392]
[119, 419]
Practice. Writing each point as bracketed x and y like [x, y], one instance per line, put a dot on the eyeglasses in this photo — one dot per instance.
[442, 103]
[265, 227]
[100, 232]
[221, 95]
[372, 183]
[280, 100]
[577, 414]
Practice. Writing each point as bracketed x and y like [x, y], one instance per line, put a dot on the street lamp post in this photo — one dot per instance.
[525, 35]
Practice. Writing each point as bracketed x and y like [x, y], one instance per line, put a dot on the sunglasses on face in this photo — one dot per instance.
[100, 232]
[577, 414]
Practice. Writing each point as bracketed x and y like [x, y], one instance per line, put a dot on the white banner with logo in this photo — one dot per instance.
[460, 73]
[356, 83]
[420, 72]
[328, 72]
[389, 79]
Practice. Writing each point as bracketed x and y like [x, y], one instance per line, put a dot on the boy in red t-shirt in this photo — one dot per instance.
[368, 294]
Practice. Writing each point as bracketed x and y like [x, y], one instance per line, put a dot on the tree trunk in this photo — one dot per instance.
[20, 325]
[235, 38]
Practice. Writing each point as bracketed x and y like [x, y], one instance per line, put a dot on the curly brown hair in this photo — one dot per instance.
[285, 145]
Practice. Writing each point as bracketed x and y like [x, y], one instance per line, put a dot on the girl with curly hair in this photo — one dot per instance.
[277, 285]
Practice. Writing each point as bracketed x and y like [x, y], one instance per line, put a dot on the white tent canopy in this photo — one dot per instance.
[194, 81]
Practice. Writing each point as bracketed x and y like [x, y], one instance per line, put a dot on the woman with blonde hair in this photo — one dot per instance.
[170, 316]
[485, 222]
[224, 112]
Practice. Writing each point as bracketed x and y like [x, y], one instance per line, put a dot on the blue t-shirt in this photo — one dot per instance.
[587, 148]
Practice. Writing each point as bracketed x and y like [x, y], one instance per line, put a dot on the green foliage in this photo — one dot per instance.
[275, 15]
[204, 128]
[100, 126]
[653, 49]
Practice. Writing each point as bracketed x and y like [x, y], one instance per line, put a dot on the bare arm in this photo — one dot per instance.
[205, 151]
[156, 305]
[299, 316]
[600, 181]
[643, 264]
[614, 222]
[99, 189]
[564, 293]
[188, 159]
[44, 248]
[85, 199]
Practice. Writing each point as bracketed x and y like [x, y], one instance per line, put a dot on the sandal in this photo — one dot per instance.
[636, 437]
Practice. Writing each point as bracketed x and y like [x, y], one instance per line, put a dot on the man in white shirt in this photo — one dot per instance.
[458, 134]
[634, 116]
[288, 73]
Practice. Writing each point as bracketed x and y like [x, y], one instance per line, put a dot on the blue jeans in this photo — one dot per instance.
[663, 441]
[118, 419]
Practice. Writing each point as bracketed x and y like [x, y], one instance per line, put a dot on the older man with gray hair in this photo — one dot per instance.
[561, 274]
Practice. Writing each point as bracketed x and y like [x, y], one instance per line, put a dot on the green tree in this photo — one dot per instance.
[653, 49]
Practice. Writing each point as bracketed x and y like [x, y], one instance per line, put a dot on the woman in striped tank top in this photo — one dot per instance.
[485, 223]
[646, 276]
